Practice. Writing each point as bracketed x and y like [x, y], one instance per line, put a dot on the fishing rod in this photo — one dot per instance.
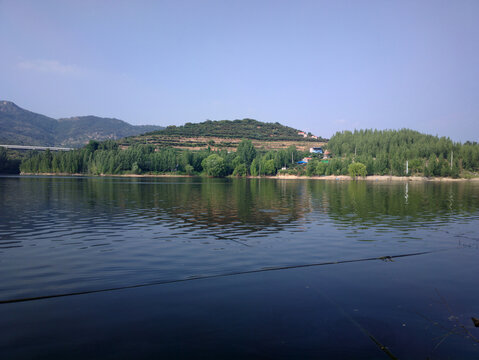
[202, 277]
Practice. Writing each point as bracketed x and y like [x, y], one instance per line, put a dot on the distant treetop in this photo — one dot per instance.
[243, 129]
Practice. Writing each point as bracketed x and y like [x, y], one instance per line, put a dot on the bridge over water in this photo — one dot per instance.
[39, 148]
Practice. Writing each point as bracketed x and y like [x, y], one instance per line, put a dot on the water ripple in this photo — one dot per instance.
[70, 234]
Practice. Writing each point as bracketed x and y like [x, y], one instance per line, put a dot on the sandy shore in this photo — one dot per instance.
[382, 178]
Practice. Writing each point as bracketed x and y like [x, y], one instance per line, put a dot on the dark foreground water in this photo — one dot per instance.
[211, 268]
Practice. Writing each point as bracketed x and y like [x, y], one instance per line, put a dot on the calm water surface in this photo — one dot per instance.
[66, 235]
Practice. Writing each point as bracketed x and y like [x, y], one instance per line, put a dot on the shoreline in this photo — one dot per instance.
[374, 178]
[105, 175]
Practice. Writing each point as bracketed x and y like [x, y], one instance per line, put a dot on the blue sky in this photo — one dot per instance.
[320, 66]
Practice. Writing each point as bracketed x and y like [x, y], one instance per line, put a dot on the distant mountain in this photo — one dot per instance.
[77, 131]
[23, 127]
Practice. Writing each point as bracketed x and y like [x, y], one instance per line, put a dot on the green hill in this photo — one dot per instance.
[237, 129]
[22, 127]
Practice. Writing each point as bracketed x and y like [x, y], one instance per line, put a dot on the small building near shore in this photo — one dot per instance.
[304, 160]
[316, 150]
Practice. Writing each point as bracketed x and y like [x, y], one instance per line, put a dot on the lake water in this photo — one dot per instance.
[235, 268]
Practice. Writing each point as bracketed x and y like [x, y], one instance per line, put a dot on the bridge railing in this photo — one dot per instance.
[40, 148]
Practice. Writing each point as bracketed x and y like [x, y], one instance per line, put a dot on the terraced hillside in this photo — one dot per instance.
[227, 134]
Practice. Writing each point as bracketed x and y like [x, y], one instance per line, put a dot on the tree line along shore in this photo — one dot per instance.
[357, 154]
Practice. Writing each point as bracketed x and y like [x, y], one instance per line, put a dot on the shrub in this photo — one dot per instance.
[214, 165]
[240, 170]
[357, 169]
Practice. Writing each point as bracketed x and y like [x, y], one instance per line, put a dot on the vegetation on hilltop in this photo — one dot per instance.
[236, 129]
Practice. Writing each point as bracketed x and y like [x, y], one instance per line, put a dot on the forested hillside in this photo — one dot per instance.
[386, 152]
[236, 129]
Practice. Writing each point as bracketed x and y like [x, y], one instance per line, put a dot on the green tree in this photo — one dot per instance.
[240, 170]
[381, 165]
[3, 159]
[432, 168]
[321, 168]
[292, 154]
[311, 167]
[214, 165]
[268, 168]
[246, 152]
[445, 169]
[415, 166]
[357, 169]
[398, 167]
[254, 168]
[92, 146]
[135, 169]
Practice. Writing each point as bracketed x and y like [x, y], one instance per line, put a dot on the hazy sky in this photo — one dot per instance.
[320, 66]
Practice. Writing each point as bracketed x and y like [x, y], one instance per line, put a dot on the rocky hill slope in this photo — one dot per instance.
[22, 127]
